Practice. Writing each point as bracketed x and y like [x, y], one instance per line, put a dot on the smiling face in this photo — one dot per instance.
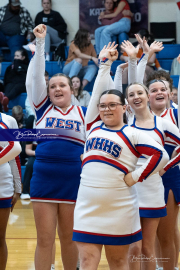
[158, 96]
[113, 118]
[60, 91]
[18, 55]
[137, 97]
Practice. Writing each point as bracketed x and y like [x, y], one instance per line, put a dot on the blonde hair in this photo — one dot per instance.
[136, 83]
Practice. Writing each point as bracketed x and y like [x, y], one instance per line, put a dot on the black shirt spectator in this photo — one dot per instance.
[56, 26]
[15, 24]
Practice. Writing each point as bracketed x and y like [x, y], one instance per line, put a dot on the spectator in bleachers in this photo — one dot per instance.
[56, 26]
[21, 119]
[81, 50]
[116, 19]
[14, 78]
[82, 95]
[174, 95]
[15, 25]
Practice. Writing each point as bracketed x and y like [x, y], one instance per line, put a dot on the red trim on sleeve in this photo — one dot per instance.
[40, 103]
[18, 163]
[6, 149]
[80, 114]
[90, 124]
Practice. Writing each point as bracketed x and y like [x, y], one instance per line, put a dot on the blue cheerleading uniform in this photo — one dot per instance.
[57, 168]
[171, 179]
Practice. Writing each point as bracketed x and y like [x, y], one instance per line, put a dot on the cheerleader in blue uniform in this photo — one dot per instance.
[107, 211]
[56, 173]
[10, 181]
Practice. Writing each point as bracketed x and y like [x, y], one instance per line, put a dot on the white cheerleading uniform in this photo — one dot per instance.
[151, 191]
[57, 168]
[10, 167]
[107, 210]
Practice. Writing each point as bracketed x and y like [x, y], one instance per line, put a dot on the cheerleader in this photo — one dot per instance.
[10, 182]
[158, 102]
[57, 168]
[107, 211]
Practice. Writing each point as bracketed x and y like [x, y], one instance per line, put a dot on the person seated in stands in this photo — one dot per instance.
[152, 62]
[15, 24]
[174, 95]
[82, 95]
[14, 78]
[17, 113]
[30, 152]
[115, 19]
[81, 50]
[56, 26]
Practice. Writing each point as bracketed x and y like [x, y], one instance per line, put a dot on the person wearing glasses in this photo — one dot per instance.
[107, 211]
[157, 96]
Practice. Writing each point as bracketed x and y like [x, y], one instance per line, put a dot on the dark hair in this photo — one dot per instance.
[81, 38]
[25, 54]
[46, 73]
[160, 75]
[143, 32]
[49, 1]
[116, 3]
[80, 90]
[121, 97]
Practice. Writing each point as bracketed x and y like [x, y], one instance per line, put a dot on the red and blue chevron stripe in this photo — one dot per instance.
[128, 143]
[108, 161]
[159, 133]
[156, 158]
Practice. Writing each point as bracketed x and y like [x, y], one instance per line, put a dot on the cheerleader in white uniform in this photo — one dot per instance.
[10, 181]
[56, 172]
[107, 211]
[158, 101]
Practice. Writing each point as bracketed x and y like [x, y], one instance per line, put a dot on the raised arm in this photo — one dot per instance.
[156, 156]
[132, 60]
[148, 53]
[39, 90]
[118, 77]
[103, 82]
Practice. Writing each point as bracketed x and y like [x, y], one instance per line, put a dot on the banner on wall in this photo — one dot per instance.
[89, 11]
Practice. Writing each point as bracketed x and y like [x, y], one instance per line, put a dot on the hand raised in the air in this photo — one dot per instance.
[130, 49]
[109, 52]
[156, 46]
[143, 43]
[40, 31]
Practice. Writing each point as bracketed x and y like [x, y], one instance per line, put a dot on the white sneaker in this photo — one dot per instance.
[25, 196]
[26, 47]
[52, 267]
[47, 57]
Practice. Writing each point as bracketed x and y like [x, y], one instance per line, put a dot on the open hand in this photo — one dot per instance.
[40, 31]
[143, 43]
[130, 49]
[156, 46]
[109, 52]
